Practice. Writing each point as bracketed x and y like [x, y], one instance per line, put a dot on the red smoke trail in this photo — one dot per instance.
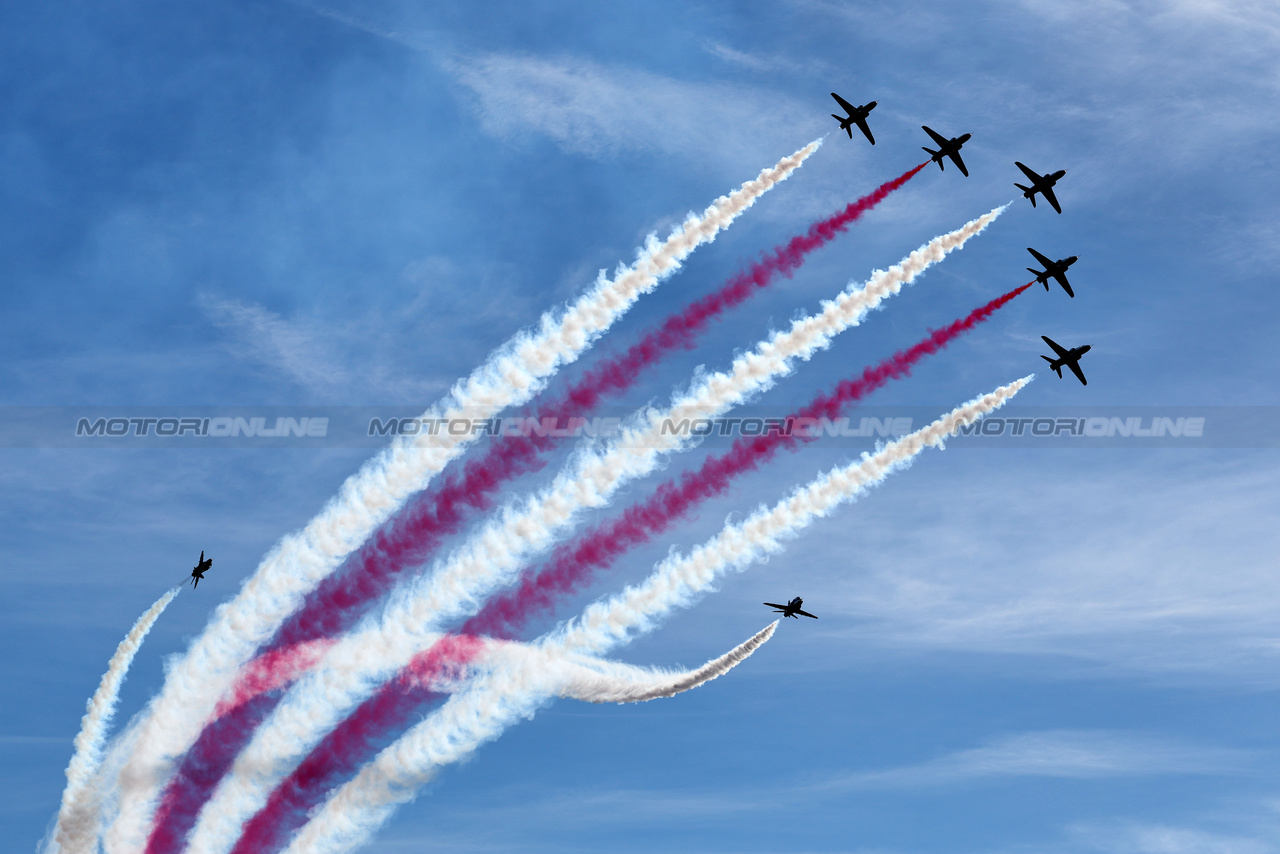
[442, 510]
[393, 706]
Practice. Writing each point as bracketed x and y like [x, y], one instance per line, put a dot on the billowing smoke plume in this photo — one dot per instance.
[77, 826]
[511, 376]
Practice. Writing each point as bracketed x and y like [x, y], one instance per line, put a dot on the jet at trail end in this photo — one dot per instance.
[946, 148]
[1068, 358]
[1056, 270]
[790, 609]
[200, 569]
[1042, 184]
[856, 115]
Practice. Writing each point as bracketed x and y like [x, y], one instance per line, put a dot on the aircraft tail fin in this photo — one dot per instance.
[1057, 369]
[1038, 274]
[1027, 191]
[936, 158]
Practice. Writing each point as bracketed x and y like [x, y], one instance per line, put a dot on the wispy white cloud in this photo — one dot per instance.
[327, 359]
[1172, 573]
[599, 110]
[1144, 838]
[762, 63]
[287, 346]
[1073, 754]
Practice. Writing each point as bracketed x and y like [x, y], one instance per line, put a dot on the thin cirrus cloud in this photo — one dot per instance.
[1072, 754]
[1146, 838]
[312, 354]
[286, 346]
[600, 110]
[1178, 583]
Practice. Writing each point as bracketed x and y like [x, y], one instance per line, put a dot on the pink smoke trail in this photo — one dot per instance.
[359, 736]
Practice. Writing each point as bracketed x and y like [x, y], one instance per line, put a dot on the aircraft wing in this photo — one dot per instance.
[937, 137]
[1074, 365]
[862, 125]
[804, 613]
[1044, 262]
[1057, 348]
[1047, 192]
[1062, 280]
[848, 108]
[955, 155]
[776, 605]
[1025, 171]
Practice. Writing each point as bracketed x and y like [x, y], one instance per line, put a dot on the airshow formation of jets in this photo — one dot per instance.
[1042, 184]
[949, 148]
[1066, 357]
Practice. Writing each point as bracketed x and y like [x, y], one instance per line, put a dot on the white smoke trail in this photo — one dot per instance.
[479, 713]
[77, 827]
[361, 661]
[300, 561]
[351, 816]
[678, 579]
[635, 685]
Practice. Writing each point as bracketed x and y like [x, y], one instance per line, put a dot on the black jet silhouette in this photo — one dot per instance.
[1056, 270]
[791, 608]
[1042, 184]
[200, 569]
[857, 116]
[1068, 358]
[947, 148]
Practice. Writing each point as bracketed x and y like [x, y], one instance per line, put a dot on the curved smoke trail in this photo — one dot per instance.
[361, 661]
[464, 722]
[512, 375]
[480, 713]
[77, 826]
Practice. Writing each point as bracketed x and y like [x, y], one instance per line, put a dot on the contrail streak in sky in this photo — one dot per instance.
[511, 376]
[77, 827]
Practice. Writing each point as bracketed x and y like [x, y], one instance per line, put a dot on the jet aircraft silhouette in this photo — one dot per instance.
[1042, 184]
[1056, 270]
[857, 116]
[947, 148]
[200, 569]
[790, 609]
[1069, 358]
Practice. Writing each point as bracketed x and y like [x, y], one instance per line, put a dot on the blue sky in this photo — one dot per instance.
[351, 204]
